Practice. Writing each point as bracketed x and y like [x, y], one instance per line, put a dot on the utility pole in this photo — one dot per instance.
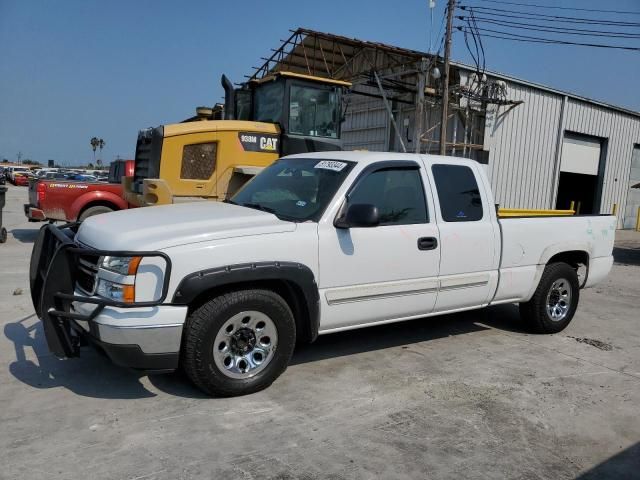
[451, 5]
[419, 120]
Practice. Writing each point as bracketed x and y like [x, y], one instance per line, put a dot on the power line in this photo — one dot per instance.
[526, 38]
[559, 18]
[552, 29]
[441, 32]
[532, 5]
[532, 16]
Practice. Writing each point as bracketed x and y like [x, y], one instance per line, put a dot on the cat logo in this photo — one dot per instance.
[270, 144]
[252, 142]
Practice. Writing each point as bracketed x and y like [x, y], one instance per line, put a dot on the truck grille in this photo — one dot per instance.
[147, 160]
[87, 272]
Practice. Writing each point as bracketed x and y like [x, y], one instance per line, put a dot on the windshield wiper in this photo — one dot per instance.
[257, 206]
[262, 208]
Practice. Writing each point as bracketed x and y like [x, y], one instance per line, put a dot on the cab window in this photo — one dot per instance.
[313, 111]
[268, 102]
[397, 192]
[458, 193]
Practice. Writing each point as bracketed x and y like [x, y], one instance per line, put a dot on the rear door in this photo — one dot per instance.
[468, 256]
[378, 274]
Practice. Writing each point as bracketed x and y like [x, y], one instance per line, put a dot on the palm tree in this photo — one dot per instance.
[95, 142]
[101, 144]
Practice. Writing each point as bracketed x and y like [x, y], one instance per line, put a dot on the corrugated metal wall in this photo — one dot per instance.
[366, 126]
[524, 147]
[522, 142]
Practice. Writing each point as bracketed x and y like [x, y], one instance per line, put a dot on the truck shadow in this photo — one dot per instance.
[626, 255]
[402, 334]
[46, 371]
[619, 466]
[95, 376]
[25, 235]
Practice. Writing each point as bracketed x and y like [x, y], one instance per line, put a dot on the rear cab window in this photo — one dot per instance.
[458, 192]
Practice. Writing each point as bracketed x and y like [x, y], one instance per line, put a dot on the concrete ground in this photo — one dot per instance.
[460, 396]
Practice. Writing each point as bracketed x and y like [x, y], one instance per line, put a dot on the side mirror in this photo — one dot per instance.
[359, 215]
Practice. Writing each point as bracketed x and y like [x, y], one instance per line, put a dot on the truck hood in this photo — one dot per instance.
[156, 228]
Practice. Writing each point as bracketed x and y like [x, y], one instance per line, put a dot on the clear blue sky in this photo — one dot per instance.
[73, 69]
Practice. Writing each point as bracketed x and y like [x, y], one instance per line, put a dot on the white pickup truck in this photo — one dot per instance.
[315, 244]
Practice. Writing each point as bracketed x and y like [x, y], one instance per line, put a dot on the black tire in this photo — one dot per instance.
[91, 211]
[205, 323]
[535, 312]
[3, 235]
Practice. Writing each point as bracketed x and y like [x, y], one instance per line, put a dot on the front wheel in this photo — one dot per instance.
[555, 300]
[238, 342]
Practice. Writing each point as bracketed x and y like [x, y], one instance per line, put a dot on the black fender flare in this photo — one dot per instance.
[194, 284]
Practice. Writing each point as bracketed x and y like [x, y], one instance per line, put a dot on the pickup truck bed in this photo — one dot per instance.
[315, 244]
[70, 201]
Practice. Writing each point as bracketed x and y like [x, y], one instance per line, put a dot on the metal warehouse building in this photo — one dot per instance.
[543, 148]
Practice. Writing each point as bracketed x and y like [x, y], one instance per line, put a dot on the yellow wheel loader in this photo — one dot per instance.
[264, 119]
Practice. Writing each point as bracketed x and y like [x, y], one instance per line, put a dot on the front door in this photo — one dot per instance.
[382, 273]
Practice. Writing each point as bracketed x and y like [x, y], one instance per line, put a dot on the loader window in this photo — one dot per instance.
[268, 102]
[198, 161]
[313, 111]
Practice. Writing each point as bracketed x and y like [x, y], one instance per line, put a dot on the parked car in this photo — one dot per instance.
[13, 170]
[21, 179]
[3, 178]
[316, 243]
[59, 196]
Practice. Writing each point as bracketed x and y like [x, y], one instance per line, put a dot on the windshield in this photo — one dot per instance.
[297, 189]
[314, 111]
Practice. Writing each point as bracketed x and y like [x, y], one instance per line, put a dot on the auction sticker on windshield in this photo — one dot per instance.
[331, 165]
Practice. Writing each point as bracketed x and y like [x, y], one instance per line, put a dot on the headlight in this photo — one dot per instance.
[121, 286]
[121, 265]
[126, 279]
[116, 291]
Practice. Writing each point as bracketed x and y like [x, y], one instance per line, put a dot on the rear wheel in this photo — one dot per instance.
[239, 342]
[3, 235]
[555, 300]
[91, 211]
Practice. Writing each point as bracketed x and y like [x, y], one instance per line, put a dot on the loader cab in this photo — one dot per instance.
[307, 109]
[208, 157]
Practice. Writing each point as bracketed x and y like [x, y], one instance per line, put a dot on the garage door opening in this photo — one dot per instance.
[580, 180]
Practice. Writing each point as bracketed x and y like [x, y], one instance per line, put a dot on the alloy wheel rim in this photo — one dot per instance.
[559, 300]
[245, 344]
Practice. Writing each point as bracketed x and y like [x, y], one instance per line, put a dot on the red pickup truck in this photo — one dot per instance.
[53, 199]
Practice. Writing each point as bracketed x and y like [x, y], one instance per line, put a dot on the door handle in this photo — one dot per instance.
[427, 243]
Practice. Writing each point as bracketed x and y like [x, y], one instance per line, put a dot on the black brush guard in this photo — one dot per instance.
[53, 273]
